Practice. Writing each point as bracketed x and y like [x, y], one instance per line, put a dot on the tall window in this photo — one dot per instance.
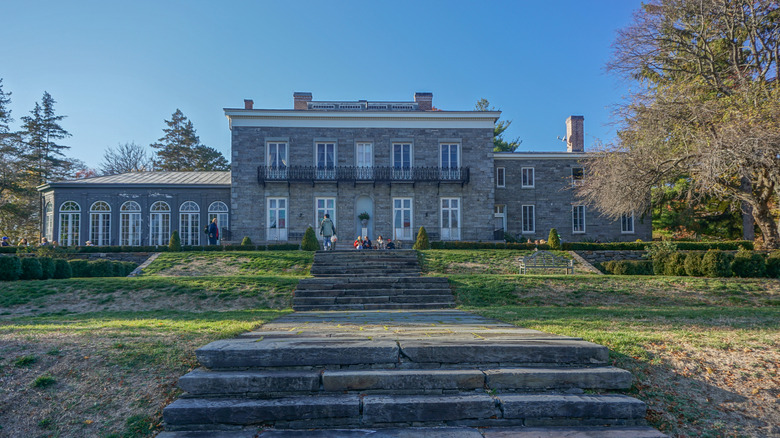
[48, 225]
[402, 161]
[578, 219]
[529, 219]
[277, 219]
[322, 206]
[577, 175]
[450, 218]
[449, 161]
[627, 223]
[527, 177]
[402, 218]
[159, 223]
[219, 210]
[100, 223]
[277, 160]
[500, 177]
[130, 224]
[189, 223]
[499, 212]
[70, 215]
[326, 160]
[364, 153]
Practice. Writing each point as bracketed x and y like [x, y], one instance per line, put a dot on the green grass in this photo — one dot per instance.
[282, 263]
[482, 261]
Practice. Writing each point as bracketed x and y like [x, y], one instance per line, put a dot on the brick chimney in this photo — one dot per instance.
[249, 103]
[575, 134]
[424, 101]
[301, 100]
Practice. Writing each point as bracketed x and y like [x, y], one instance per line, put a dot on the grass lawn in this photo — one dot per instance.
[101, 356]
[705, 353]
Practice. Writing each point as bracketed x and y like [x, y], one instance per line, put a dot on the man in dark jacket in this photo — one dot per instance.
[213, 232]
[327, 230]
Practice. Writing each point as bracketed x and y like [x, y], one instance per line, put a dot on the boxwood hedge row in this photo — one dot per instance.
[41, 268]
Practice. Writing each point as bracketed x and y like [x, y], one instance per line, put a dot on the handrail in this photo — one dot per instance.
[359, 174]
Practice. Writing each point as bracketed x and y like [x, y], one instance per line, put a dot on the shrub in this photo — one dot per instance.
[246, 241]
[10, 268]
[660, 252]
[101, 268]
[31, 269]
[716, 263]
[773, 264]
[674, 265]
[123, 269]
[279, 247]
[422, 241]
[244, 248]
[47, 267]
[62, 269]
[79, 268]
[309, 241]
[175, 243]
[554, 240]
[693, 264]
[628, 267]
[748, 264]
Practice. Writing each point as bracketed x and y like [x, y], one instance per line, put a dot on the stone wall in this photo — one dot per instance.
[607, 255]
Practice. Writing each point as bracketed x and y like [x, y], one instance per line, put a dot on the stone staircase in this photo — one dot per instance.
[370, 280]
[436, 373]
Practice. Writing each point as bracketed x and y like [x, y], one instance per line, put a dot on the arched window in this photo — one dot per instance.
[189, 223]
[100, 223]
[219, 210]
[48, 222]
[70, 215]
[159, 223]
[130, 224]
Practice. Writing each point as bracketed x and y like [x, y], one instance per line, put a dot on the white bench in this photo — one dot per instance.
[545, 260]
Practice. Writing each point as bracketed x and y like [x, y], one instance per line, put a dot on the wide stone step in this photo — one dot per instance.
[372, 282]
[432, 432]
[464, 409]
[379, 306]
[368, 292]
[278, 352]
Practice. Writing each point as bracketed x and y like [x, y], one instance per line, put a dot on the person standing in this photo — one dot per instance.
[327, 230]
[213, 232]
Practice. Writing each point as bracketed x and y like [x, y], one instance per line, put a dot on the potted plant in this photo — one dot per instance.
[364, 217]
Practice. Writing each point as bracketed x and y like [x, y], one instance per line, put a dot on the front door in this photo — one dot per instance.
[277, 218]
[402, 219]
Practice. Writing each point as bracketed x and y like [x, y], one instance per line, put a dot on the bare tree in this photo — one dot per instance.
[127, 157]
[707, 107]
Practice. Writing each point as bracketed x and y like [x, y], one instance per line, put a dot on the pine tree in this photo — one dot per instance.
[422, 241]
[553, 239]
[499, 144]
[309, 241]
[180, 148]
[40, 132]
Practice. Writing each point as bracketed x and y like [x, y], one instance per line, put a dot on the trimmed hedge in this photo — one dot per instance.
[62, 269]
[10, 268]
[485, 245]
[693, 264]
[47, 267]
[773, 264]
[101, 268]
[282, 247]
[628, 267]
[674, 265]
[716, 263]
[7, 250]
[748, 264]
[642, 246]
[31, 269]
[102, 249]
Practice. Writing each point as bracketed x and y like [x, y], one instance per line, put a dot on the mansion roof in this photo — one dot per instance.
[159, 179]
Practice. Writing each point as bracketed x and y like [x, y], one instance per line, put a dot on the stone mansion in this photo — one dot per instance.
[404, 164]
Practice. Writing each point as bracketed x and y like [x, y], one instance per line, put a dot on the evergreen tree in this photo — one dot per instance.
[180, 148]
[554, 240]
[499, 144]
[44, 158]
[422, 241]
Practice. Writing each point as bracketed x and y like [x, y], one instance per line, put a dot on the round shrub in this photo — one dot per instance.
[773, 264]
[246, 241]
[79, 268]
[309, 241]
[554, 240]
[47, 267]
[175, 243]
[31, 269]
[10, 268]
[675, 265]
[62, 269]
[659, 263]
[101, 268]
[716, 263]
[748, 264]
[693, 264]
[422, 241]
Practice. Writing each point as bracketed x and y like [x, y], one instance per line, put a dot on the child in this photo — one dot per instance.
[358, 244]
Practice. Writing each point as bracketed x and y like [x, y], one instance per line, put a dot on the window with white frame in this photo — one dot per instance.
[527, 177]
[499, 212]
[402, 161]
[577, 175]
[364, 160]
[325, 155]
[100, 223]
[130, 224]
[627, 223]
[449, 161]
[578, 219]
[70, 216]
[402, 218]
[159, 223]
[450, 218]
[500, 177]
[529, 219]
[324, 206]
[277, 218]
[48, 224]
[219, 210]
[189, 223]
[277, 160]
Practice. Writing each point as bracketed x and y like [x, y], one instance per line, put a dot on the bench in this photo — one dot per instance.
[545, 260]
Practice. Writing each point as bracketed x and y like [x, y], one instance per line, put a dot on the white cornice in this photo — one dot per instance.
[540, 155]
[361, 119]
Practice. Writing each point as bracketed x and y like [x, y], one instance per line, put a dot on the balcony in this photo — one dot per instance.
[312, 174]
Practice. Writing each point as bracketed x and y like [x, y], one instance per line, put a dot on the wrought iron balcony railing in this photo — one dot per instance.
[315, 174]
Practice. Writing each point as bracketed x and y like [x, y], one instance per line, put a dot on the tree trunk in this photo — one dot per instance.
[766, 223]
[748, 226]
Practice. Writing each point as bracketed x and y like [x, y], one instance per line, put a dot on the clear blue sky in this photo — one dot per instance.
[119, 69]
